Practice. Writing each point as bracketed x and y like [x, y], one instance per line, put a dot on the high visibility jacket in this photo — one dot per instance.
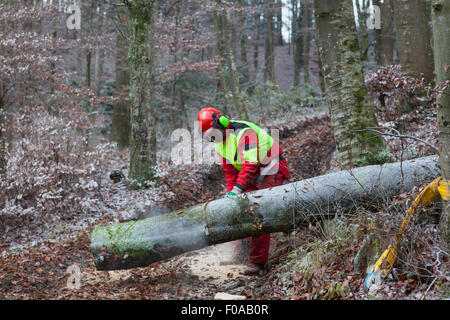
[245, 151]
[254, 151]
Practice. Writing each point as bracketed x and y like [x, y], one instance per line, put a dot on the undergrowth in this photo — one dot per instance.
[329, 259]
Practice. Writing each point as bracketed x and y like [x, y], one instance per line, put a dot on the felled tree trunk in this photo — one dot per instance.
[279, 209]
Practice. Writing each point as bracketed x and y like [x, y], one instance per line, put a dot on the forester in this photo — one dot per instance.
[251, 160]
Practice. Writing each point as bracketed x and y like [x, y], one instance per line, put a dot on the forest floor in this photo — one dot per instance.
[34, 261]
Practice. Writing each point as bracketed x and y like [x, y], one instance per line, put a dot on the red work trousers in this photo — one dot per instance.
[259, 245]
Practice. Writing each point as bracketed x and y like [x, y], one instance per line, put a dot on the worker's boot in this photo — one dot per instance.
[254, 269]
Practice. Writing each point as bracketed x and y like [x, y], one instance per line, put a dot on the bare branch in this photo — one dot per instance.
[398, 135]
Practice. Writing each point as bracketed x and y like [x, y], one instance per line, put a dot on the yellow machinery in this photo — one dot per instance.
[377, 272]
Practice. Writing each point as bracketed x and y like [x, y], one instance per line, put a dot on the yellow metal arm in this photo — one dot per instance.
[437, 189]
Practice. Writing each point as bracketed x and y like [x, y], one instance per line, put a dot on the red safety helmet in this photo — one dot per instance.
[205, 118]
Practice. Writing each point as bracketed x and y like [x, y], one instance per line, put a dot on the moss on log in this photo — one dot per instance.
[279, 209]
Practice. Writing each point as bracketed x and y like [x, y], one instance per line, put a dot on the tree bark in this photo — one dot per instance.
[279, 23]
[362, 35]
[269, 71]
[220, 53]
[100, 51]
[294, 35]
[349, 104]
[385, 36]
[79, 36]
[234, 75]
[90, 10]
[257, 18]
[299, 44]
[3, 161]
[441, 31]
[88, 68]
[307, 25]
[120, 128]
[242, 40]
[279, 209]
[414, 38]
[142, 83]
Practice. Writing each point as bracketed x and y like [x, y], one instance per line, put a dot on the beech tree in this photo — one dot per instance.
[234, 76]
[222, 19]
[269, 59]
[441, 31]
[243, 43]
[307, 13]
[349, 104]
[142, 89]
[385, 37]
[2, 138]
[220, 52]
[100, 49]
[120, 127]
[414, 38]
[297, 39]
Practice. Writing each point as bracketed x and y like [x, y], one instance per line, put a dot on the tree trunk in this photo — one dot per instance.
[349, 104]
[88, 68]
[279, 23]
[307, 25]
[414, 38]
[142, 86]
[294, 35]
[279, 209]
[385, 36]
[120, 128]
[3, 161]
[243, 36]
[176, 113]
[79, 36]
[269, 56]
[234, 76]
[218, 33]
[299, 42]
[360, 29]
[100, 51]
[257, 19]
[90, 10]
[441, 31]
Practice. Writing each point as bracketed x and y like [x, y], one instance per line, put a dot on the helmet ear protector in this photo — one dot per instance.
[220, 122]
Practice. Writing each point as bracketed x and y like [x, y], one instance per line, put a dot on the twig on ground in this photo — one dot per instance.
[428, 289]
